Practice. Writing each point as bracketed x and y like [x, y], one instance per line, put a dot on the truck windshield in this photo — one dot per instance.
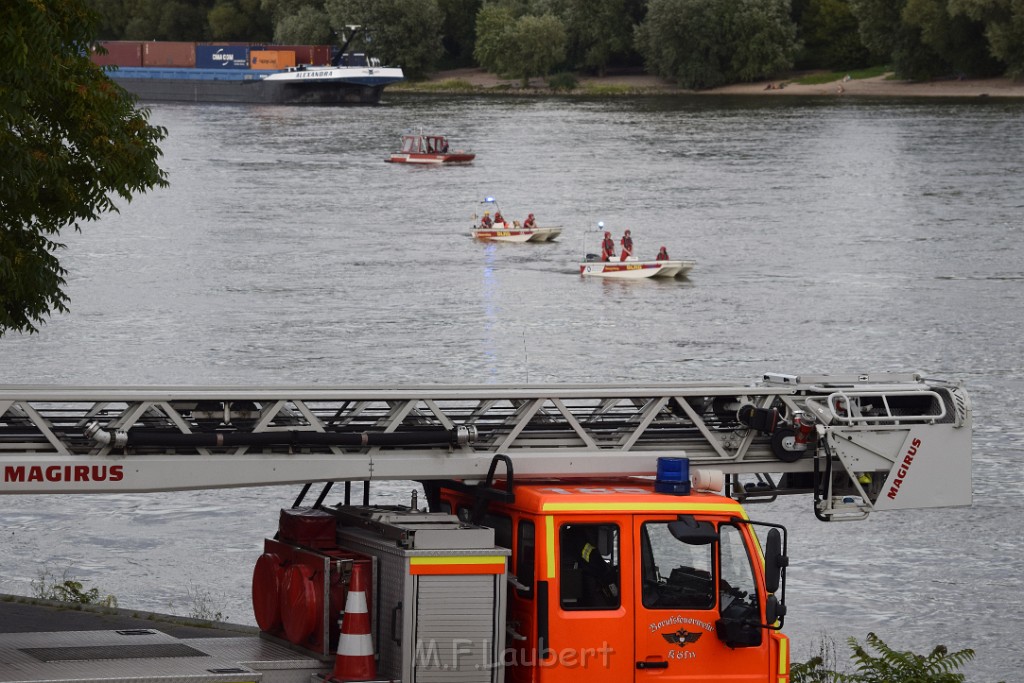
[737, 587]
[677, 575]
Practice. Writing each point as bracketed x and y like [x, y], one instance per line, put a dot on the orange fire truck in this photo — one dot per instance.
[565, 531]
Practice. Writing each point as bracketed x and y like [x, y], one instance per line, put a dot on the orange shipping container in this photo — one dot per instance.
[317, 55]
[169, 54]
[119, 53]
[271, 59]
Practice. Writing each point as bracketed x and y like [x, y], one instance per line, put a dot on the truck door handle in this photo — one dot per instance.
[652, 665]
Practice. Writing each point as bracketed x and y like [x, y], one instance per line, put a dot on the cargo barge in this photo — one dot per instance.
[245, 74]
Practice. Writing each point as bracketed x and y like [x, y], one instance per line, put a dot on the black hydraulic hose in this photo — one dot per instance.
[225, 439]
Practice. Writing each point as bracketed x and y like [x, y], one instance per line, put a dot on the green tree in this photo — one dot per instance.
[958, 39]
[494, 36]
[309, 25]
[539, 46]
[239, 20]
[831, 40]
[519, 46]
[166, 20]
[1004, 29]
[891, 39]
[404, 33]
[70, 139]
[113, 17]
[599, 31]
[458, 30]
[707, 43]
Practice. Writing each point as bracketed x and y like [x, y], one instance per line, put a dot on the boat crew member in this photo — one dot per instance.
[662, 255]
[486, 221]
[498, 218]
[627, 246]
[607, 247]
[529, 223]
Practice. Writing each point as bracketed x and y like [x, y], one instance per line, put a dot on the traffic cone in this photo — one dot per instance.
[355, 661]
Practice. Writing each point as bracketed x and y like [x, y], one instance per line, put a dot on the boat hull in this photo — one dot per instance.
[516, 234]
[431, 159]
[337, 85]
[636, 270]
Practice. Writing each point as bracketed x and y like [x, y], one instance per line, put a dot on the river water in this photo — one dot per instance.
[831, 235]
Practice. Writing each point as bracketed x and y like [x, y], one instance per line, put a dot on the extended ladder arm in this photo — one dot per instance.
[841, 438]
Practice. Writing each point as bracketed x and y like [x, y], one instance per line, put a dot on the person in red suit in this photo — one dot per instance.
[607, 247]
[627, 246]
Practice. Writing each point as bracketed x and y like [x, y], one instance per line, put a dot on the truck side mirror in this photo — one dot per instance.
[774, 561]
[688, 530]
[773, 610]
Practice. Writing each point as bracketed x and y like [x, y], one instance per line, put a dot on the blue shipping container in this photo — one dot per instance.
[222, 56]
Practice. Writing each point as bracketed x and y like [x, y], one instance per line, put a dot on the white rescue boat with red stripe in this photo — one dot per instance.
[633, 269]
[494, 227]
[627, 266]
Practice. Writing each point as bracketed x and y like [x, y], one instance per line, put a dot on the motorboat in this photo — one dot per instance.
[634, 269]
[420, 148]
[493, 227]
[503, 232]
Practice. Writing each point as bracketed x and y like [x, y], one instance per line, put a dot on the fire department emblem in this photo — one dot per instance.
[682, 637]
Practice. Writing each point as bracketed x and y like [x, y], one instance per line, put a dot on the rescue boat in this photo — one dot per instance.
[632, 268]
[491, 229]
[418, 148]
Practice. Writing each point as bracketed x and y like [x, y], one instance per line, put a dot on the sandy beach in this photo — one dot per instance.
[879, 86]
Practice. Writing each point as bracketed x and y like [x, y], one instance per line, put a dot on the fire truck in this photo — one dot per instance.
[563, 531]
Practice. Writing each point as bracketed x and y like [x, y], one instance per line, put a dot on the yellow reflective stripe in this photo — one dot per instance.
[447, 559]
[680, 507]
[549, 526]
[783, 658]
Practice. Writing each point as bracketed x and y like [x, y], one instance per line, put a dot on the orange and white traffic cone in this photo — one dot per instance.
[354, 661]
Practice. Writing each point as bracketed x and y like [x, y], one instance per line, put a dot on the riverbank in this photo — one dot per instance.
[478, 81]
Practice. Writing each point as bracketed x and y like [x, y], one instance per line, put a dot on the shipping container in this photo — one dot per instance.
[169, 54]
[222, 56]
[119, 53]
[271, 59]
[315, 55]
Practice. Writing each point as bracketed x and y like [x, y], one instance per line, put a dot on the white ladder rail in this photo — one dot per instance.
[575, 430]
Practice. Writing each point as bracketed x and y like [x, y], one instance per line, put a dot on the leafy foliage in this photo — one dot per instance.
[458, 30]
[707, 43]
[70, 140]
[598, 31]
[404, 33]
[1004, 29]
[66, 589]
[887, 666]
[493, 38]
[521, 46]
[308, 25]
[830, 37]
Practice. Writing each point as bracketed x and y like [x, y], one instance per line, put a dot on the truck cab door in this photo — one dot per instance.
[589, 628]
[688, 597]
